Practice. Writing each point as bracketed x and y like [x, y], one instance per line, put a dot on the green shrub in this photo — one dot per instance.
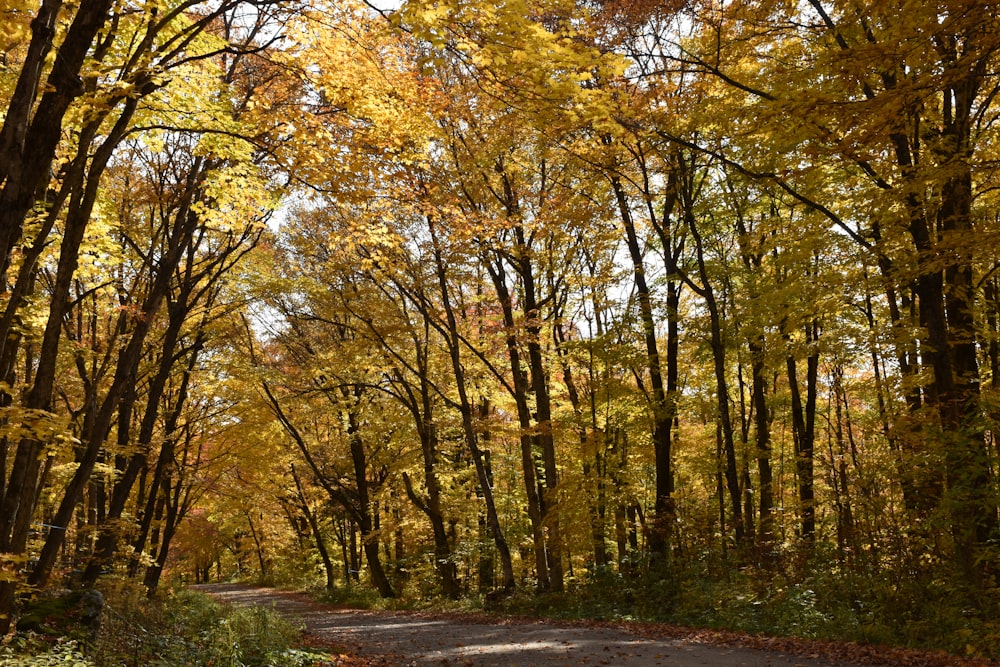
[32, 653]
[182, 627]
[902, 607]
[249, 637]
[356, 595]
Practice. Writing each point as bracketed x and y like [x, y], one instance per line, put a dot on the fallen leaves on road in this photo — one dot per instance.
[827, 650]
[841, 651]
[848, 652]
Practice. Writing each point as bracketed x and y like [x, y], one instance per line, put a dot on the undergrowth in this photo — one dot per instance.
[911, 609]
[182, 628]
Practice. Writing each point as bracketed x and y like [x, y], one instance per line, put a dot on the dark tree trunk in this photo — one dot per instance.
[421, 408]
[520, 388]
[762, 428]
[317, 534]
[718, 346]
[468, 423]
[369, 536]
[662, 409]
[803, 433]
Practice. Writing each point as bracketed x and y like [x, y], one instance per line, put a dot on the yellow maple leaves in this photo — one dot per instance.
[15, 19]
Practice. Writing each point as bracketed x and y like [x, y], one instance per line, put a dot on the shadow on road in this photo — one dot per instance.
[417, 639]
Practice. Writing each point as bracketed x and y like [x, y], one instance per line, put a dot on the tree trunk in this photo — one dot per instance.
[422, 409]
[465, 408]
[663, 410]
[519, 387]
[718, 346]
[762, 428]
[542, 428]
[28, 142]
[803, 433]
[310, 516]
[369, 537]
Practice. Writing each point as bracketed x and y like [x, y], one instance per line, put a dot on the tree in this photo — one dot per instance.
[112, 78]
[918, 155]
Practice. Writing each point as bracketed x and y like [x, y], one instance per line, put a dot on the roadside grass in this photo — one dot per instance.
[416, 593]
[910, 609]
[183, 627]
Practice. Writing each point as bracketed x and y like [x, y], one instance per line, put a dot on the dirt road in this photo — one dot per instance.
[417, 639]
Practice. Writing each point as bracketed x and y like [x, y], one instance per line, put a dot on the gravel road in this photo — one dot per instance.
[411, 639]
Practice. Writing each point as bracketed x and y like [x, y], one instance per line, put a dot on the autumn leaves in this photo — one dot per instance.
[556, 286]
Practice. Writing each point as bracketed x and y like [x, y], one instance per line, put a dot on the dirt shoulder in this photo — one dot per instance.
[420, 639]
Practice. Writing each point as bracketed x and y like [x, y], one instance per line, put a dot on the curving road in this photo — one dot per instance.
[416, 639]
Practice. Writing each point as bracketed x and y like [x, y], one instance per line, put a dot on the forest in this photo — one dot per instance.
[675, 309]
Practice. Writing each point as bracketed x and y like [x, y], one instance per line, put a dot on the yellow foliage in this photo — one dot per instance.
[15, 19]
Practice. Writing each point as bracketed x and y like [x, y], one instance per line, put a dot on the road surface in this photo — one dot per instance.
[417, 640]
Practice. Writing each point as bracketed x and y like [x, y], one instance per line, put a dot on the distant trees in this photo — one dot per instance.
[636, 290]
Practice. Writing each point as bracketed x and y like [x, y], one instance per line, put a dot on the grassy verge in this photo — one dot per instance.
[182, 628]
[910, 610]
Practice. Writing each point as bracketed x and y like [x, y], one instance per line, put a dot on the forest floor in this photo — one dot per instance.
[415, 639]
